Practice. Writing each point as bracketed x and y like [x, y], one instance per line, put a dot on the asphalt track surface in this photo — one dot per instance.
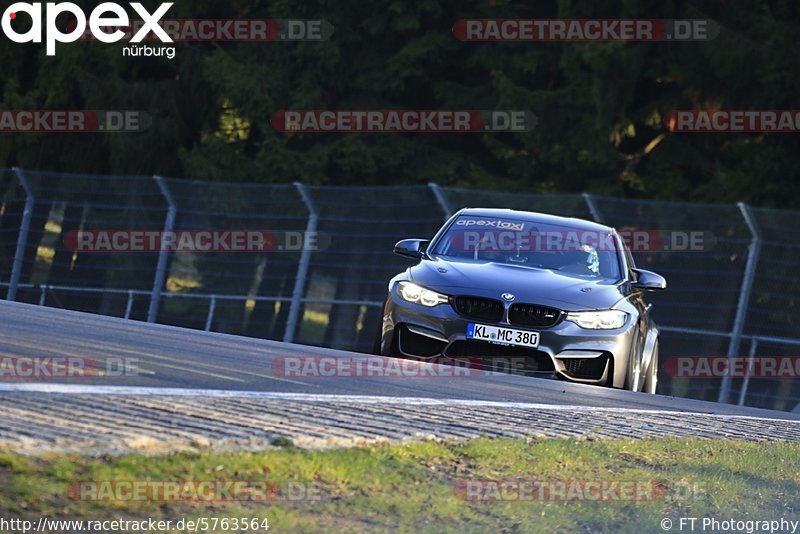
[178, 358]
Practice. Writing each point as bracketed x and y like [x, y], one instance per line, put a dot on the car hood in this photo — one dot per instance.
[528, 285]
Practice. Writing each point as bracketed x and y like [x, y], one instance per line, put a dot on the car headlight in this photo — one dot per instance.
[598, 320]
[415, 294]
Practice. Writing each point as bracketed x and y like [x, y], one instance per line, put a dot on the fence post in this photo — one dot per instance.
[593, 209]
[440, 198]
[211, 307]
[746, 382]
[129, 305]
[753, 251]
[163, 253]
[22, 239]
[302, 266]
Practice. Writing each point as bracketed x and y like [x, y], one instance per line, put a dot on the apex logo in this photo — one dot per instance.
[106, 15]
[507, 225]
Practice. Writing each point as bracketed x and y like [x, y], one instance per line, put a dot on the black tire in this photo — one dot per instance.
[376, 346]
[651, 375]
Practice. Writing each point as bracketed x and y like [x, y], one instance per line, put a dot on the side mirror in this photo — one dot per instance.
[648, 280]
[412, 248]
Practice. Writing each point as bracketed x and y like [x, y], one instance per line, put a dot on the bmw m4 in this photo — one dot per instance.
[526, 293]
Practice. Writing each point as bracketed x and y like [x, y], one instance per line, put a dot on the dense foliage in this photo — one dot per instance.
[599, 105]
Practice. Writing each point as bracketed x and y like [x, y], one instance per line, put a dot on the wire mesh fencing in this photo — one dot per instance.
[733, 270]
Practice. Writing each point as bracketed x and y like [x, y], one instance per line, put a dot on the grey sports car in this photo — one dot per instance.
[525, 293]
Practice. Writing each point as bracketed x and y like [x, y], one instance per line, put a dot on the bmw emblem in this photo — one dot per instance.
[508, 297]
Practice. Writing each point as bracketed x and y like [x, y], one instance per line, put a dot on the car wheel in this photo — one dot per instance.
[651, 378]
[393, 349]
[633, 381]
[376, 346]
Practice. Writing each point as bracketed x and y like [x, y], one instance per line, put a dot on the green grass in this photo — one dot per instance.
[411, 487]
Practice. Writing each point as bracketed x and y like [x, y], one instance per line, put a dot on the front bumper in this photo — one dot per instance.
[565, 349]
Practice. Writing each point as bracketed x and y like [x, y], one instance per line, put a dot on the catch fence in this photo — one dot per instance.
[736, 293]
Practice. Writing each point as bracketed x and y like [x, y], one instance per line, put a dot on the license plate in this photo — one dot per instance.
[504, 336]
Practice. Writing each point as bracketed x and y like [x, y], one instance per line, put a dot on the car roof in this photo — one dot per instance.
[535, 217]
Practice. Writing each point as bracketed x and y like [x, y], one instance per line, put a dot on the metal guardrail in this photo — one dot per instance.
[213, 298]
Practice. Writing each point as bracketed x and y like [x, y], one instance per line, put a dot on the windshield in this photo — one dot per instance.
[566, 250]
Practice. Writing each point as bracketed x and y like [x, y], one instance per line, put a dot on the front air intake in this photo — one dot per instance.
[478, 308]
[533, 315]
